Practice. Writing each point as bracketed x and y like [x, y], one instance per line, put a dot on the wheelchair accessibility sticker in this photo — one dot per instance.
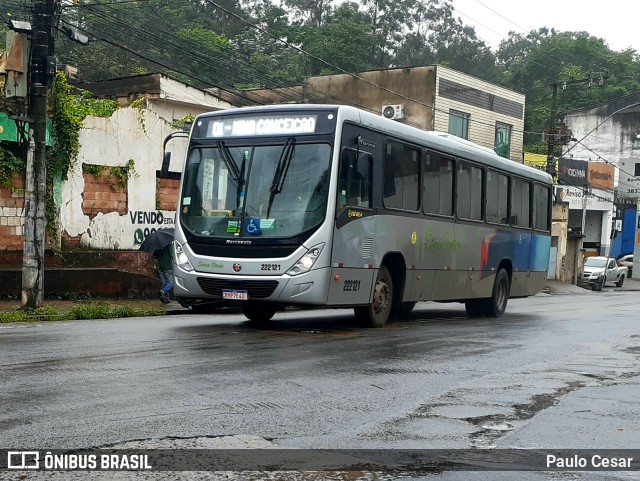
[252, 226]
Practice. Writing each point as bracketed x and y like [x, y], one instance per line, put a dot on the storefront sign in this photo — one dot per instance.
[597, 199]
[600, 175]
[572, 172]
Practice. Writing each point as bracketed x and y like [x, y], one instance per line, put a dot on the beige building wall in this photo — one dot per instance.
[481, 121]
[411, 87]
[426, 95]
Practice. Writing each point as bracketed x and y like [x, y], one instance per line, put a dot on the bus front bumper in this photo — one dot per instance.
[308, 288]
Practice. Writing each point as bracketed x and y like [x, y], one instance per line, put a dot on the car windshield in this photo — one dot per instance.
[595, 262]
[248, 191]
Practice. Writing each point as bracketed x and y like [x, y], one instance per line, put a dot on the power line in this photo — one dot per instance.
[265, 32]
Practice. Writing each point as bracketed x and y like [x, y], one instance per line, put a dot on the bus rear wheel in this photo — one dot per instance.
[475, 307]
[258, 312]
[378, 312]
[497, 303]
[493, 306]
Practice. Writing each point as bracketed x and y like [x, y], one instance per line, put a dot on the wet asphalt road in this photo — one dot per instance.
[555, 372]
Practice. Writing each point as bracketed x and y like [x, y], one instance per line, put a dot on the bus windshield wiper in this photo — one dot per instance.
[228, 160]
[288, 152]
[241, 182]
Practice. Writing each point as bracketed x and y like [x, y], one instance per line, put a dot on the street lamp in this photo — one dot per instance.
[20, 26]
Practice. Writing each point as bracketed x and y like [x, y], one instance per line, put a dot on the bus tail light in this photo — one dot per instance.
[307, 261]
[181, 257]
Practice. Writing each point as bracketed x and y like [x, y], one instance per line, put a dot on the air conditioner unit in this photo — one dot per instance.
[393, 112]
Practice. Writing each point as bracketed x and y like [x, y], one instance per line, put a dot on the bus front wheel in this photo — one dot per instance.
[258, 312]
[377, 313]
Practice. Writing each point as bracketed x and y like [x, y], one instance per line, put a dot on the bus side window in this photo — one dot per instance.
[354, 187]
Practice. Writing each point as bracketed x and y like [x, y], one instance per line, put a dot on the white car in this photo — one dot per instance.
[626, 261]
[600, 270]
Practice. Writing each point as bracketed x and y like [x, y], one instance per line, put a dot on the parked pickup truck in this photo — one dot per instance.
[600, 270]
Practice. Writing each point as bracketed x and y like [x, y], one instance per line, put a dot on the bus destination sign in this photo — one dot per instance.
[262, 125]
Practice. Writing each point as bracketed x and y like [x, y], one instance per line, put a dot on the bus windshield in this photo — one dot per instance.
[247, 191]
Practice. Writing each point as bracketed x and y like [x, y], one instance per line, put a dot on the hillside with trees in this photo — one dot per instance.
[239, 44]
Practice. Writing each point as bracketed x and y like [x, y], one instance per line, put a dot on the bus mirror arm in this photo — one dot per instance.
[166, 162]
[166, 158]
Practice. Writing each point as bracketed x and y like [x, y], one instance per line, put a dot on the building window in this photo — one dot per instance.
[459, 124]
[503, 140]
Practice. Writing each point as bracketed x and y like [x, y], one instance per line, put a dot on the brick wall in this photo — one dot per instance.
[103, 194]
[167, 193]
[12, 215]
[68, 243]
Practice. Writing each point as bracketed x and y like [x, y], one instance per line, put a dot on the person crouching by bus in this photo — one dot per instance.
[165, 269]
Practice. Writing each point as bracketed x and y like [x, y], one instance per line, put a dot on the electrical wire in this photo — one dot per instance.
[111, 18]
[265, 32]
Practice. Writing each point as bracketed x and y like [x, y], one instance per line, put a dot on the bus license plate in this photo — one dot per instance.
[236, 295]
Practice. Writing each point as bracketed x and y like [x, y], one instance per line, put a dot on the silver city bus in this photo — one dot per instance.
[318, 205]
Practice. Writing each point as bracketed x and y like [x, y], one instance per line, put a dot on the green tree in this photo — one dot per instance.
[390, 21]
[440, 38]
[309, 12]
[532, 62]
[344, 41]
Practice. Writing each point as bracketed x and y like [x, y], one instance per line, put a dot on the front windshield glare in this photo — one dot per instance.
[591, 262]
[265, 191]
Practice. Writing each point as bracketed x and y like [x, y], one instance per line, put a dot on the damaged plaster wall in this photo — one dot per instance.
[130, 133]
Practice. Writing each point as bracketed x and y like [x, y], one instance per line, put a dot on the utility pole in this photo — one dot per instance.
[551, 141]
[40, 73]
[554, 138]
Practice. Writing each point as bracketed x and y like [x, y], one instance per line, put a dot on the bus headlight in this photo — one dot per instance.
[307, 261]
[181, 257]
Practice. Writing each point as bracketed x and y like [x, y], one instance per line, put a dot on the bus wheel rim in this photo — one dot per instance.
[381, 298]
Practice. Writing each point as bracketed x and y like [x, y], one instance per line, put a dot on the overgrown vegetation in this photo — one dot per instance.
[184, 123]
[70, 109]
[141, 105]
[10, 162]
[269, 44]
[78, 312]
[122, 173]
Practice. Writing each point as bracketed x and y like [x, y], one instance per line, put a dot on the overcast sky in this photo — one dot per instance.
[616, 21]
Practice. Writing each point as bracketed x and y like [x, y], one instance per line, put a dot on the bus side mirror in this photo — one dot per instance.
[166, 161]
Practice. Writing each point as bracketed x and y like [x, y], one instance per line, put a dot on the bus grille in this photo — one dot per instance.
[256, 289]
